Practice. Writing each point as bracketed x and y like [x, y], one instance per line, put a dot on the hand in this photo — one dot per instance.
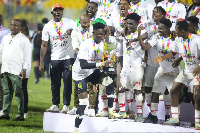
[23, 74]
[196, 71]
[41, 68]
[145, 59]
[176, 62]
[68, 32]
[140, 28]
[158, 59]
[95, 88]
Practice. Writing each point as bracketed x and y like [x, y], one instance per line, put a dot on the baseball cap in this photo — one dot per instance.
[57, 5]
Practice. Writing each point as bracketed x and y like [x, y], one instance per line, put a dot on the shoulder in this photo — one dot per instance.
[68, 20]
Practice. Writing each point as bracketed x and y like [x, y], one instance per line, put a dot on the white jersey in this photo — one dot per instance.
[178, 11]
[61, 50]
[86, 52]
[190, 12]
[143, 9]
[165, 65]
[192, 61]
[151, 28]
[3, 31]
[107, 11]
[134, 56]
[78, 36]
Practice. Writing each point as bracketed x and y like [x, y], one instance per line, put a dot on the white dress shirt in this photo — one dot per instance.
[15, 53]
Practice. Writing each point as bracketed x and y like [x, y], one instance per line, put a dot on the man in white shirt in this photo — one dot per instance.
[86, 67]
[132, 72]
[3, 31]
[194, 10]
[175, 11]
[15, 50]
[188, 46]
[107, 9]
[143, 8]
[58, 31]
[79, 35]
[166, 74]
[151, 26]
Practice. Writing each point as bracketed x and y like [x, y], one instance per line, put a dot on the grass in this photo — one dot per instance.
[39, 101]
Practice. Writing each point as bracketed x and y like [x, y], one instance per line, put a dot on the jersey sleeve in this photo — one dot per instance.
[45, 34]
[182, 11]
[83, 51]
[75, 41]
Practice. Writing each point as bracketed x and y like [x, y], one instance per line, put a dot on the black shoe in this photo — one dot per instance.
[36, 81]
[19, 119]
[5, 117]
[167, 117]
[151, 119]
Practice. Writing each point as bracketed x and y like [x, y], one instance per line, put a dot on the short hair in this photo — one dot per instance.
[166, 22]
[18, 20]
[193, 20]
[98, 25]
[39, 26]
[45, 20]
[93, 3]
[26, 30]
[125, 0]
[160, 9]
[182, 25]
[134, 17]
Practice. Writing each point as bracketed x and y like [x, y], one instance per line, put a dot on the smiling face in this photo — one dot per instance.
[91, 10]
[57, 14]
[179, 33]
[85, 22]
[124, 7]
[131, 26]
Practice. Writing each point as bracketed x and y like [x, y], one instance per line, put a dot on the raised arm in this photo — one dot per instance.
[143, 45]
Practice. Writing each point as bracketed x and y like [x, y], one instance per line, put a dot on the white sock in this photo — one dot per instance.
[154, 109]
[139, 99]
[104, 97]
[197, 115]
[121, 98]
[115, 103]
[175, 111]
[129, 99]
[167, 101]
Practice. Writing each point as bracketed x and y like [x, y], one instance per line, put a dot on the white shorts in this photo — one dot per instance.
[163, 80]
[186, 78]
[132, 77]
[149, 75]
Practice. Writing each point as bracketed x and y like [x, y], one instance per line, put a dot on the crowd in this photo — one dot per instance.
[125, 49]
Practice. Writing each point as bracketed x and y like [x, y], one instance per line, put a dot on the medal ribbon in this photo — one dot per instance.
[96, 52]
[187, 50]
[106, 7]
[83, 36]
[168, 10]
[163, 44]
[58, 29]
